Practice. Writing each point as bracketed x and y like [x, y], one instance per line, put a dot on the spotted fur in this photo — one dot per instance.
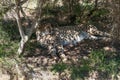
[55, 38]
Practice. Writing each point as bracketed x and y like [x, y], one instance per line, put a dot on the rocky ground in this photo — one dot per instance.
[41, 66]
[37, 64]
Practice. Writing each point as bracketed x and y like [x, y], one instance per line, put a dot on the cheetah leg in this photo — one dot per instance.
[52, 50]
[60, 52]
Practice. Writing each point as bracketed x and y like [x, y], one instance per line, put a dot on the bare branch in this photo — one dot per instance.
[22, 34]
[25, 37]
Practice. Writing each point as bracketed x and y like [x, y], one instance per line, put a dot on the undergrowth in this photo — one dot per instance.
[106, 64]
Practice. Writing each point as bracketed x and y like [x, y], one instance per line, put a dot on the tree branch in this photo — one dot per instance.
[25, 37]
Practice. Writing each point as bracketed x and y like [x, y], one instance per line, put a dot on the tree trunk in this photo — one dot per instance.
[22, 45]
[116, 21]
[25, 36]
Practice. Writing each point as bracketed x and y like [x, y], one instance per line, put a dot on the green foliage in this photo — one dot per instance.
[80, 10]
[99, 14]
[78, 72]
[81, 70]
[8, 47]
[10, 29]
[30, 47]
[60, 67]
[105, 62]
